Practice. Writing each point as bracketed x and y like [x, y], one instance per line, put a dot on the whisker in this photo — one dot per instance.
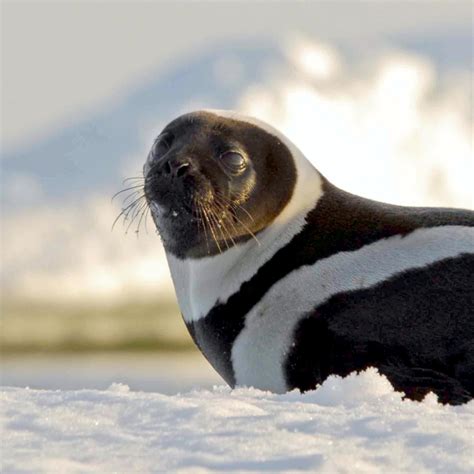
[135, 214]
[143, 212]
[197, 216]
[244, 226]
[234, 205]
[218, 225]
[132, 196]
[146, 218]
[203, 225]
[133, 178]
[226, 217]
[125, 211]
[138, 186]
[211, 228]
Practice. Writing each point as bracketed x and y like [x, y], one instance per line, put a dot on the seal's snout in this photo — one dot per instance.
[176, 168]
[171, 181]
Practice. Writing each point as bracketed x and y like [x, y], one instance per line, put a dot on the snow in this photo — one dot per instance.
[356, 424]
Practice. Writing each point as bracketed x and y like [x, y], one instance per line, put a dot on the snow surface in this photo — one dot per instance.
[357, 424]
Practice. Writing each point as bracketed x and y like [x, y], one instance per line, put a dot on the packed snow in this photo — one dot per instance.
[356, 424]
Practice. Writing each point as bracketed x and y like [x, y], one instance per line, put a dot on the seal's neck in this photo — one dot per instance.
[202, 283]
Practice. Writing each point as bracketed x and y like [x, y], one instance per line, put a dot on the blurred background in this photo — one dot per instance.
[378, 95]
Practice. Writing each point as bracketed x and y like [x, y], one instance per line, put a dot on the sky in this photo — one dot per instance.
[377, 95]
[62, 60]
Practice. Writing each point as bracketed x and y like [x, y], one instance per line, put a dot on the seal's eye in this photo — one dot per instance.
[162, 144]
[233, 161]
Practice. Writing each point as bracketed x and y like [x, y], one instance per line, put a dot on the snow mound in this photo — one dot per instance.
[356, 424]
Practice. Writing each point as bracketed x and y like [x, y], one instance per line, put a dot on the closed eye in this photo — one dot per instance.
[162, 144]
[233, 161]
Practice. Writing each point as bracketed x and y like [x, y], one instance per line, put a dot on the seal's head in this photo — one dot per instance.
[213, 181]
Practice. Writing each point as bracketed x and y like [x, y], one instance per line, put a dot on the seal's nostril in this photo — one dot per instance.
[182, 169]
[175, 168]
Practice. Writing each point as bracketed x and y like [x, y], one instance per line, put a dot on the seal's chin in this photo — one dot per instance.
[176, 224]
[173, 215]
[170, 201]
[186, 221]
[171, 212]
[205, 225]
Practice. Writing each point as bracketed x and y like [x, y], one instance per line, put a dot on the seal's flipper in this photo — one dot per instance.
[416, 383]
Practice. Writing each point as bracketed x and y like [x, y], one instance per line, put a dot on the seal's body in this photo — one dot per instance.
[284, 279]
